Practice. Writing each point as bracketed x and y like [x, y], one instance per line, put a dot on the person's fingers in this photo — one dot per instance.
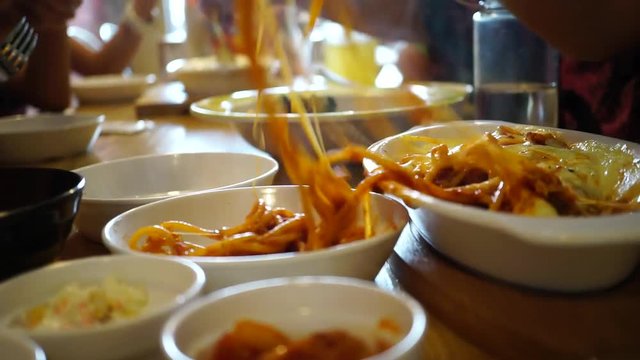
[144, 8]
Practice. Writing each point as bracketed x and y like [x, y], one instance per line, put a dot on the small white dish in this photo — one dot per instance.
[17, 346]
[110, 88]
[34, 138]
[347, 115]
[170, 283]
[298, 307]
[113, 187]
[206, 76]
[213, 209]
[568, 254]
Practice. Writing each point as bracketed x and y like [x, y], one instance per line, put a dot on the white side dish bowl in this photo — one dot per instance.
[169, 284]
[17, 346]
[206, 76]
[568, 254]
[299, 307]
[214, 209]
[34, 138]
[110, 88]
[113, 187]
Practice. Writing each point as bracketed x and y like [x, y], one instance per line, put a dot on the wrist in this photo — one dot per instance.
[133, 21]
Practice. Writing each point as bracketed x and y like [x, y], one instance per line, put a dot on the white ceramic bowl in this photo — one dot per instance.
[298, 307]
[33, 138]
[362, 115]
[206, 76]
[170, 283]
[17, 346]
[563, 253]
[110, 88]
[359, 259]
[116, 186]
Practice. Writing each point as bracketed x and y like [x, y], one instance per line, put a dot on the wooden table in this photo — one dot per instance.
[470, 316]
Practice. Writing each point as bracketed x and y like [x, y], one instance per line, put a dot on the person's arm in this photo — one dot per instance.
[585, 29]
[117, 53]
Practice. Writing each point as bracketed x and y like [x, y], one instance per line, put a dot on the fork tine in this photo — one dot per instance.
[24, 41]
[24, 35]
[17, 30]
[30, 45]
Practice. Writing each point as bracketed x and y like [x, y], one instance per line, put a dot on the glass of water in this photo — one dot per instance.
[515, 71]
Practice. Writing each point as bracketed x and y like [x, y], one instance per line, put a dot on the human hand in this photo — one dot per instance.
[144, 8]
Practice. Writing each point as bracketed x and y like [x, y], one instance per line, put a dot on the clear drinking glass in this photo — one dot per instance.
[515, 71]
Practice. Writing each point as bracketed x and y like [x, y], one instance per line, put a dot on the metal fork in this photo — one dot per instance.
[16, 49]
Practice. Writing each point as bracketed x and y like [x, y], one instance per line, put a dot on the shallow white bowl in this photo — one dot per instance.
[206, 76]
[359, 259]
[33, 138]
[298, 307]
[116, 186]
[362, 114]
[17, 346]
[170, 284]
[110, 88]
[563, 253]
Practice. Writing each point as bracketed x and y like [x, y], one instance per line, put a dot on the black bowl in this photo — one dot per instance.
[37, 209]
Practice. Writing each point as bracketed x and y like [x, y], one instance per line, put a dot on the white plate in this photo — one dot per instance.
[110, 88]
[33, 138]
[561, 253]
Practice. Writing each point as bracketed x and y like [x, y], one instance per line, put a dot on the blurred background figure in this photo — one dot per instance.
[132, 43]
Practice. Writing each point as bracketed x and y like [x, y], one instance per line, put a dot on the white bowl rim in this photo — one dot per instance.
[25, 341]
[200, 110]
[593, 230]
[418, 315]
[233, 261]
[111, 80]
[275, 167]
[190, 293]
[84, 120]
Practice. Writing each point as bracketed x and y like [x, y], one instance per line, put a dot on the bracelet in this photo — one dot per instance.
[138, 24]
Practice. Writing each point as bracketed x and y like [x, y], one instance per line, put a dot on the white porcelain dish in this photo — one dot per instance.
[360, 259]
[361, 115]
[206, 76]
[568, 254]
[170, 283]
[33, 138]
[113, 187]
[110, 88]
[17, 346]
[299, 306]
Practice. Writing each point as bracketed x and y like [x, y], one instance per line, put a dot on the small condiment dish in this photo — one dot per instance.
[169, 284]
[116, 186]
[300, 306]
[40, 137]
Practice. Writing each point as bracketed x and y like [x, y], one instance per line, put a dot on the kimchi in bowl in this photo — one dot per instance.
[308, 311]
[569, 253]
[361, 258]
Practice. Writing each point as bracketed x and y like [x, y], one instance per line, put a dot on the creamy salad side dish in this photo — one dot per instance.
[77, 307]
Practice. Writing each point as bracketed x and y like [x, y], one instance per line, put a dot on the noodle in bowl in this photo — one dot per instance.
[561, 253]
[360, 259]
